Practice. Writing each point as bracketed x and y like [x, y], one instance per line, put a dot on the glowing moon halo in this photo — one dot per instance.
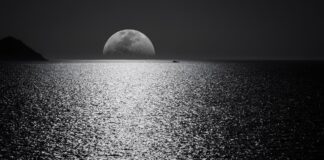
[129, 43]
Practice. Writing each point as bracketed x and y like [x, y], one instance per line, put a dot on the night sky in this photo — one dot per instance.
[183, 29]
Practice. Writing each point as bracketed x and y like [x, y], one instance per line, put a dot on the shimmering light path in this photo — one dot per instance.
[159, 110]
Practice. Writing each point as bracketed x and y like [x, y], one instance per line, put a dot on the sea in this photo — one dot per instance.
[161, 109]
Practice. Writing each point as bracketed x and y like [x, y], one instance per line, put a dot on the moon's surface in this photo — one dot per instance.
[129, 43]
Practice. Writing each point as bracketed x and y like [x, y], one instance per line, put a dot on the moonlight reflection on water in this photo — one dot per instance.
[158, 110]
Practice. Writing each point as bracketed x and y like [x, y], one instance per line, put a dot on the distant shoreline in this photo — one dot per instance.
[157, 60]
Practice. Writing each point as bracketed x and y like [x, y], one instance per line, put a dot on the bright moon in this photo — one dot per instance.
[129, 43]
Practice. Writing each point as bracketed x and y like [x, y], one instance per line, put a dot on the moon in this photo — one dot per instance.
[129, 43]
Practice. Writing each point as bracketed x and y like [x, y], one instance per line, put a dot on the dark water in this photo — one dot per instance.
[160, 110]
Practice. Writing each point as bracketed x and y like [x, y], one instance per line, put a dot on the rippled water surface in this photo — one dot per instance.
[160, 110]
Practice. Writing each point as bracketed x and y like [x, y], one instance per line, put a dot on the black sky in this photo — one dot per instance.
[178, 29]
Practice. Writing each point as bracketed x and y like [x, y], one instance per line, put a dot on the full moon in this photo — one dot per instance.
[129, 43]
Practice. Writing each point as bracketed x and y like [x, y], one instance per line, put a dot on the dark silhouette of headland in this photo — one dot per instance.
[12, 49]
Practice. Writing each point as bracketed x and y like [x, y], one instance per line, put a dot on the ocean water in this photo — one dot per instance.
[161, 110]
